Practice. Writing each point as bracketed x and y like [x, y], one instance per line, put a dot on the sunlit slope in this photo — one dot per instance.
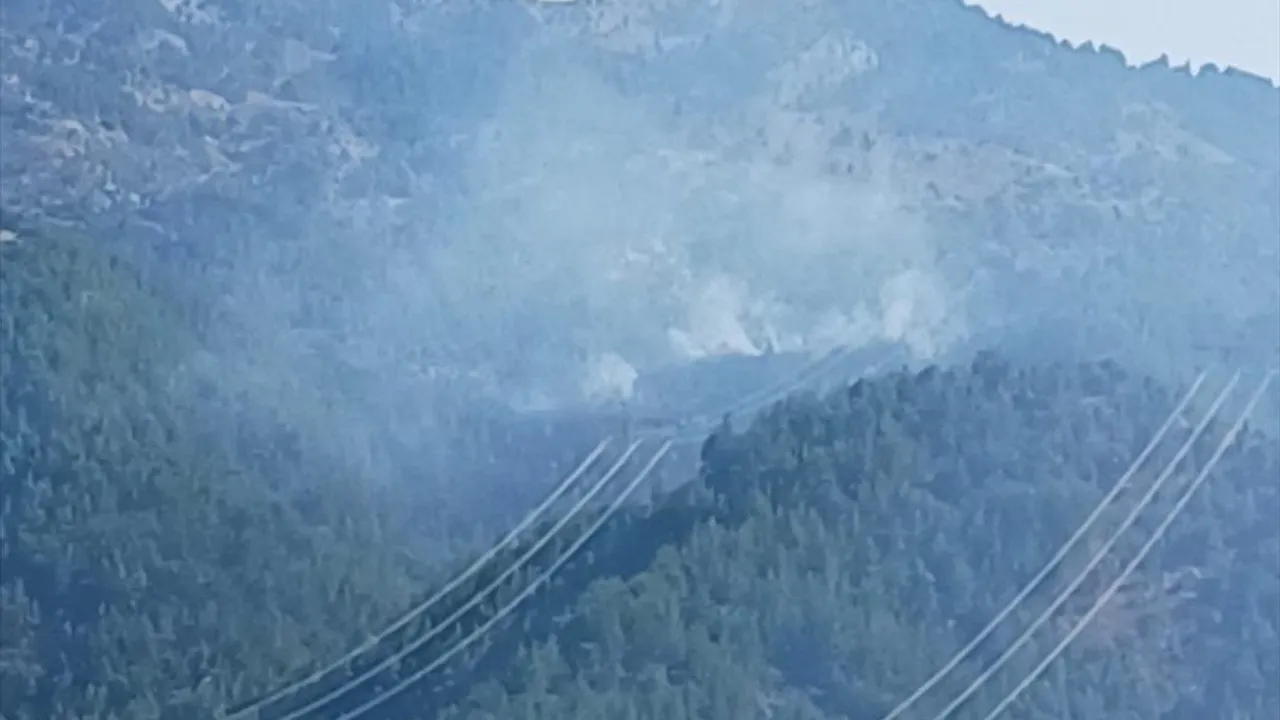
[546, 200]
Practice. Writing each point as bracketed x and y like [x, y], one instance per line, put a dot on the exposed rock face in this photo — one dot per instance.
[650, 180]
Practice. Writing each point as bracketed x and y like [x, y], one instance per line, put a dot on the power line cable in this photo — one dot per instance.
[476, 598]
[426, 605]
[1142, 553]
[514, 602]
[1098, 556]
[1057, 558]
[678, 432]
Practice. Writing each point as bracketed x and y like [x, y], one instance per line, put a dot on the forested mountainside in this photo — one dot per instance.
[822, 562]
[834, 553]
[149, 540]
[303, 303]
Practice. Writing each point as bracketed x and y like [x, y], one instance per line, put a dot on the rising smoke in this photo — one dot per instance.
[595, 228]
[604, 224]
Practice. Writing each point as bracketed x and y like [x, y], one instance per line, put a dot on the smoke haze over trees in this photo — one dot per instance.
[305, 303]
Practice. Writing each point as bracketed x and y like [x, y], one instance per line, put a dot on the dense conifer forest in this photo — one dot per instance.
[825, 560]
[149, 541]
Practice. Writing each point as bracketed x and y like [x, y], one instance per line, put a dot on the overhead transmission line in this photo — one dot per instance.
[807, 371]
[425, 606]
[514, 602]
[1156, 535]
[1101, 553]
[1095, 560]
[749, 402]
[1057, 558]
[1116, 489]
[477, 597]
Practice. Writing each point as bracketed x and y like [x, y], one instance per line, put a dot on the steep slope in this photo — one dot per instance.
[520, 195]
[168, 541]
[844, 546]
[302, 300]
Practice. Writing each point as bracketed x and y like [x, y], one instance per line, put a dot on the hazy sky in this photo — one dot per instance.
[1242, 33]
